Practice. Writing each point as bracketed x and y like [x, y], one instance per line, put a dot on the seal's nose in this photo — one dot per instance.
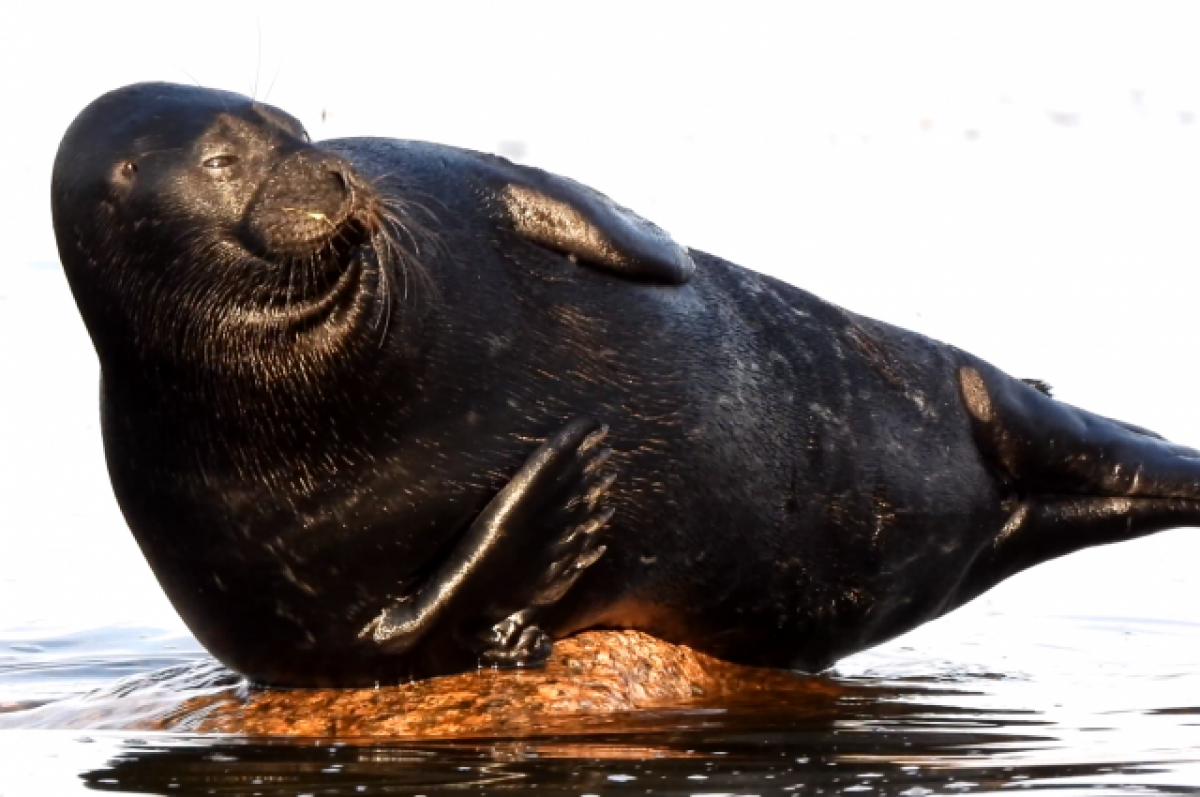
[304, 203]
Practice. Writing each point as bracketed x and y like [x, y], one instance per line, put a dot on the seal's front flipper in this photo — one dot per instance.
[521, 554]
[1078, 479]
[561, 214]
[517, 641]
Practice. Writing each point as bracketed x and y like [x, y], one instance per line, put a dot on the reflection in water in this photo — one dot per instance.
[910, 750]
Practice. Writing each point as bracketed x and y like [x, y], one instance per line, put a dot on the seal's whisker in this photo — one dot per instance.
[291, 286]
[404, 272]
[408, 198]
[397, 255]
[383, 261]
[403, 207]
[400, 226]
[385, 303]
[190, 76]
[310, 274]
[271, 88]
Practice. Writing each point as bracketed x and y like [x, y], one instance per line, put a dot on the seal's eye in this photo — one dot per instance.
[220, 162]
[128, 170]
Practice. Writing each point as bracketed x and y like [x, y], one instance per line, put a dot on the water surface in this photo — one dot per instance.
[942, 711]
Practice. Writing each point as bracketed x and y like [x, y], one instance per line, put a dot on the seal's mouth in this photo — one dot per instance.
[310, 225]
[314, 273]
[326, 245]
[316, 289]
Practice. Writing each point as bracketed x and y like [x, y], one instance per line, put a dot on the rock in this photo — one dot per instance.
[591, 680]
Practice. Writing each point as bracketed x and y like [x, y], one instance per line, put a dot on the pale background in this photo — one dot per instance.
[1019, 179]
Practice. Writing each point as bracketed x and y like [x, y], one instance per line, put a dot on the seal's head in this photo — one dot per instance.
[202, 226]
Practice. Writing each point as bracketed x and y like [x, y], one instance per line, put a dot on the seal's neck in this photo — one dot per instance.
[290, 405]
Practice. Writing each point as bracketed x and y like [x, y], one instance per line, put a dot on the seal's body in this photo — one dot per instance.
[328, 372]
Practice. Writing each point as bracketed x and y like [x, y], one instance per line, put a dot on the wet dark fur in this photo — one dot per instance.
[795, 482]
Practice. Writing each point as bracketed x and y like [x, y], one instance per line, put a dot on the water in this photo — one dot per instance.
[1097, 705]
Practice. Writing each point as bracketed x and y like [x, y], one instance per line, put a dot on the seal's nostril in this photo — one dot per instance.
[304, 207]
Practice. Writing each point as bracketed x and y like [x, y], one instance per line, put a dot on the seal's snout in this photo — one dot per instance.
[306, 204]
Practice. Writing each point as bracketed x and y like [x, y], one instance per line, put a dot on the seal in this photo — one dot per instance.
[380, 409]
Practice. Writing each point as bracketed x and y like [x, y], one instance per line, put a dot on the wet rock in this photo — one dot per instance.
[591, 679]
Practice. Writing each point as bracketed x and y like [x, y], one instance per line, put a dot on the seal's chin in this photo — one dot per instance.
[302, 288]
[332, 288]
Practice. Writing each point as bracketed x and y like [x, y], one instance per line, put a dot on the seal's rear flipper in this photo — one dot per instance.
[1078, 479]
[561, 214]
[1045, 447]
[1043, 529]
